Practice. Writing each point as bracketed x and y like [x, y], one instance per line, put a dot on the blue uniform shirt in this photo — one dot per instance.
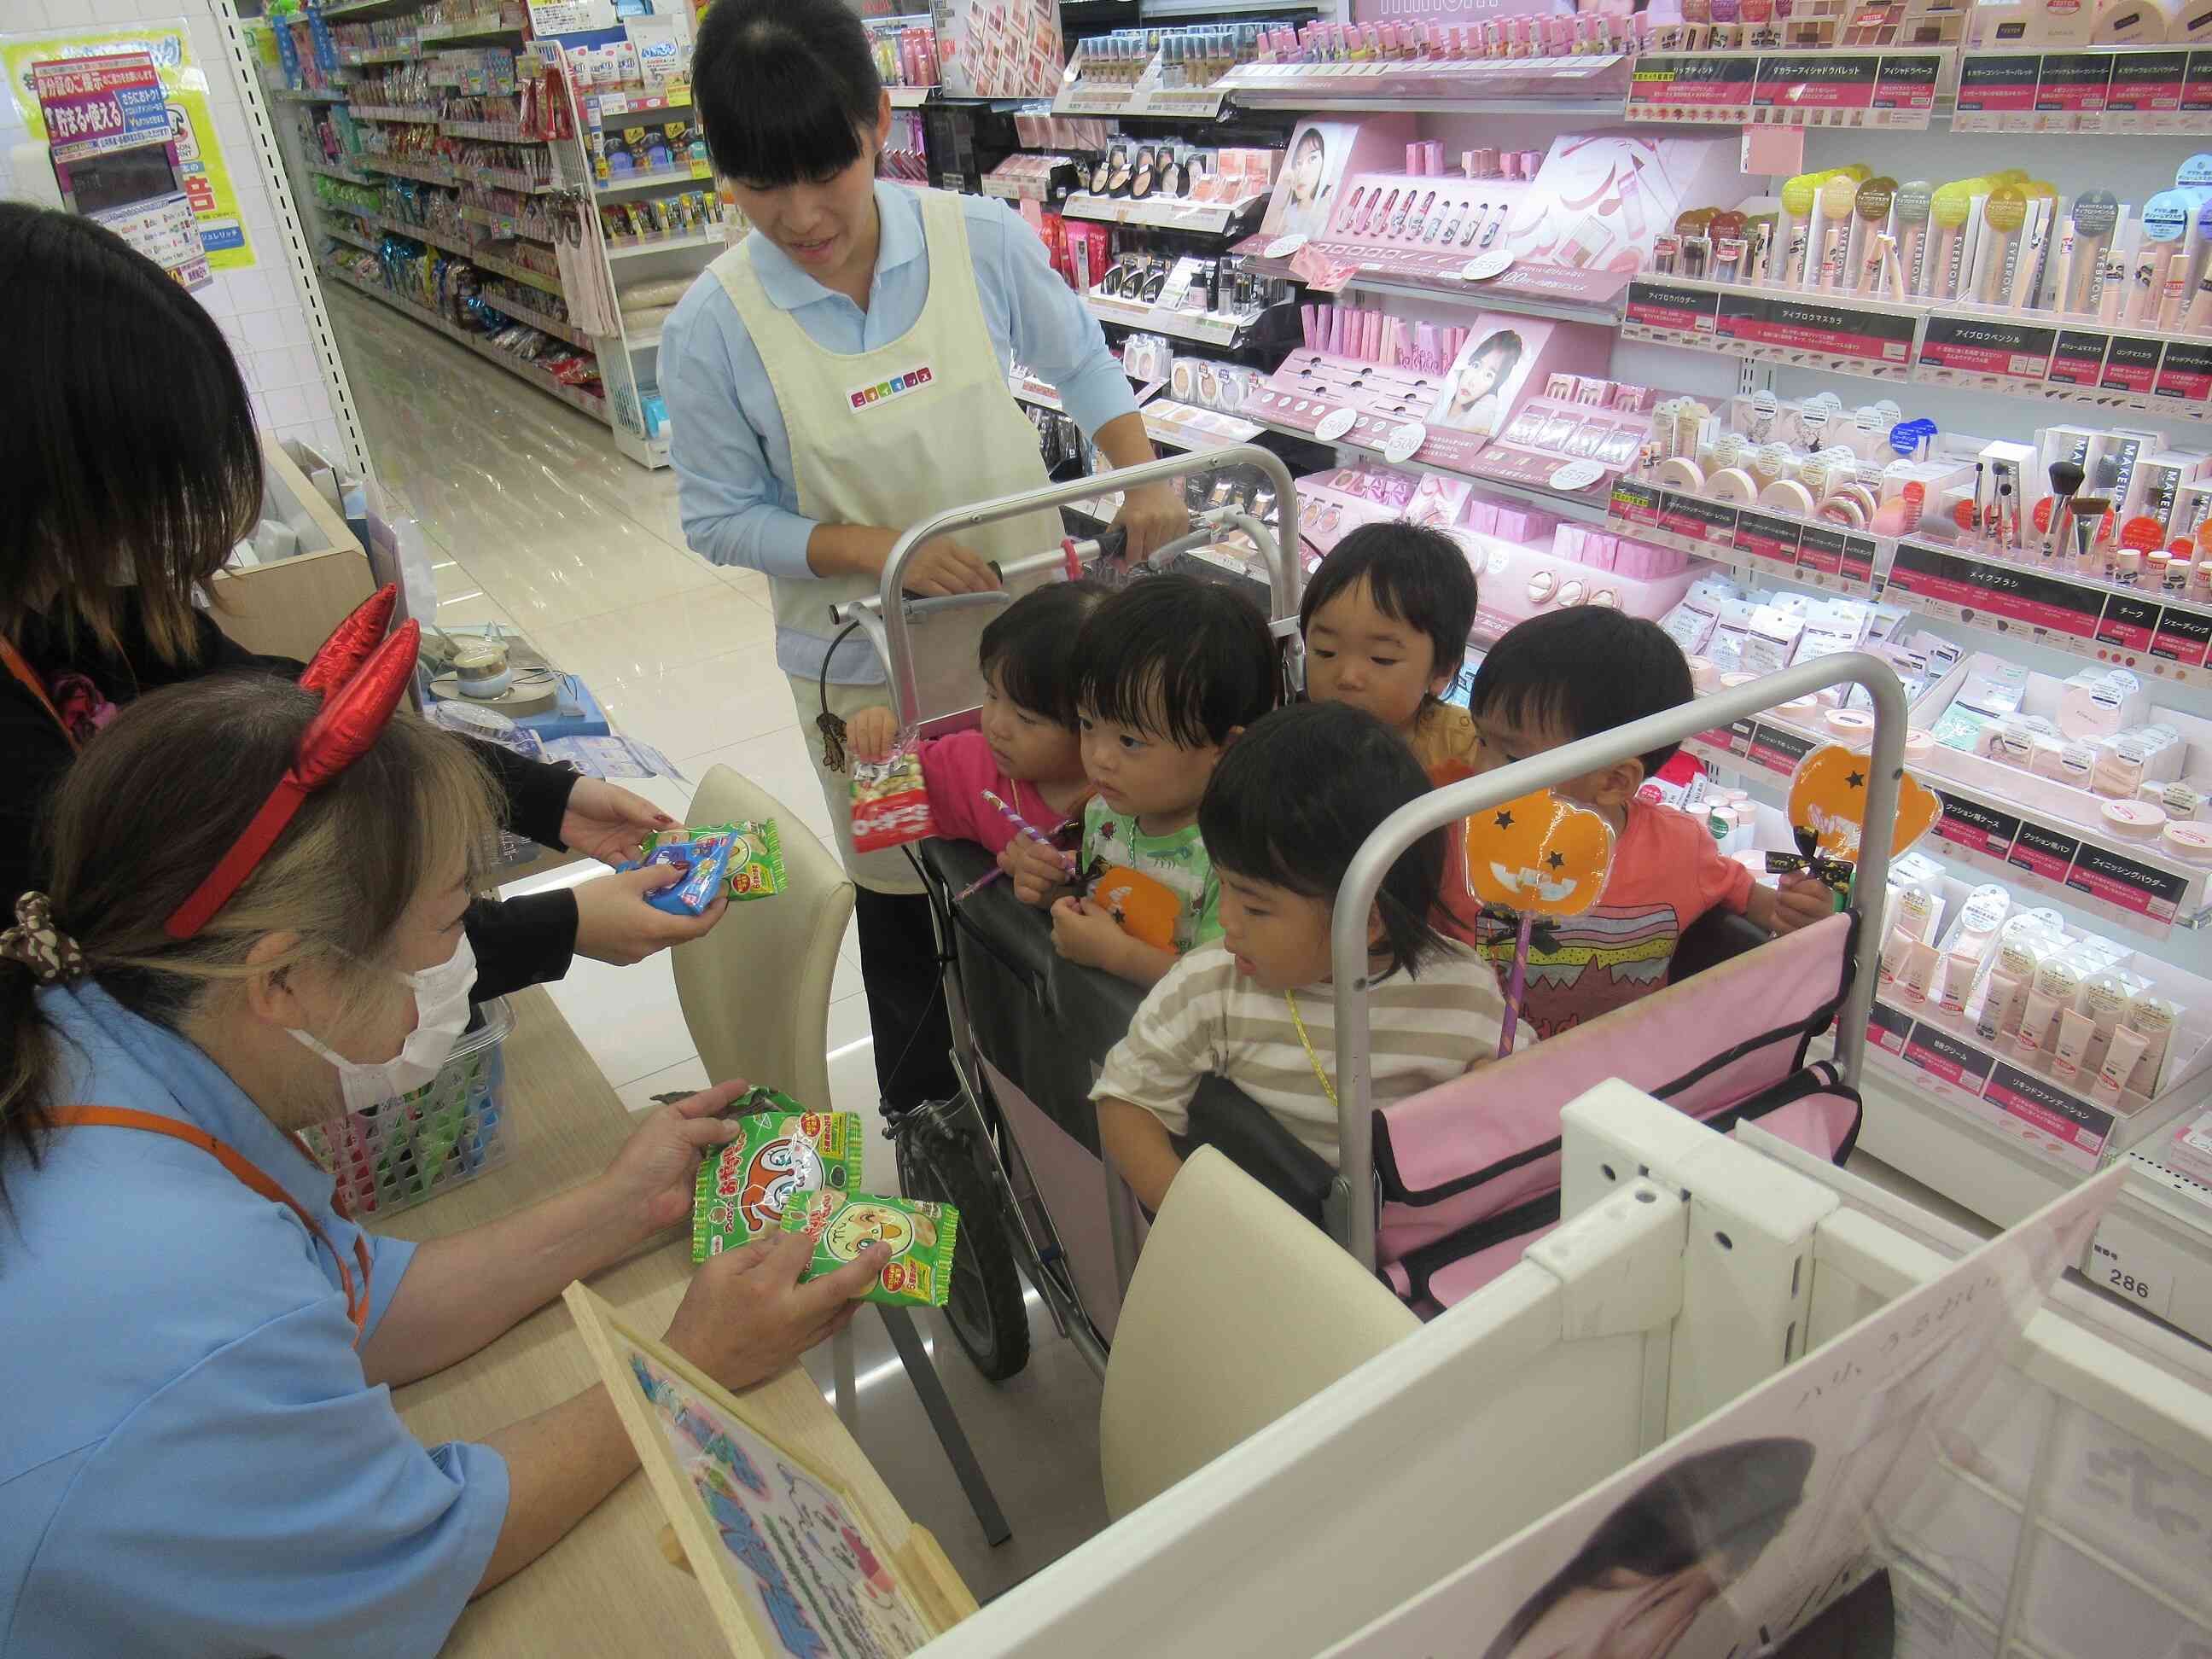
[190, 1460]
[738, 495]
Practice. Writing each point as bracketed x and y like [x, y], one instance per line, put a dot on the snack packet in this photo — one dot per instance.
[890, 803]
[918, 1237]
[756, 861]
[705, 856]
[745, 1186]
[752, 854]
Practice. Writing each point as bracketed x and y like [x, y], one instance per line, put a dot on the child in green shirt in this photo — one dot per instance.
[1167, 672]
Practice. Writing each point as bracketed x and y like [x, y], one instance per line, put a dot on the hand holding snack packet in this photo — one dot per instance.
[890, 804]
[745, 1187]
[919, 1239]
[751, 855]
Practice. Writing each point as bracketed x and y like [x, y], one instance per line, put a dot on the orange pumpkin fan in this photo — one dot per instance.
[1536, 855]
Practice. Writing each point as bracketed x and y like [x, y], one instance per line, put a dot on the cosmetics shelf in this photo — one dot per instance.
[909, 97]
[1757, 542]
[2116, 367]
[1185, 427]
[1159, 103]
[1199, 218]
[1370, 437]
[2110, 91]
[1202, 327]
[595, 407]
[1879, 87]
[1593, 83]
[2118, 883]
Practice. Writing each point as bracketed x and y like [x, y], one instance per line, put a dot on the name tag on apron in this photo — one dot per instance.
[876, 393]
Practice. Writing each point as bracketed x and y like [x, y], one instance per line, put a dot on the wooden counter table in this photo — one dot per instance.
[605, 1588]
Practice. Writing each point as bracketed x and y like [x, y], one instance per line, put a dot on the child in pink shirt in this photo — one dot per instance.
[1571, 674]
[1026, 748]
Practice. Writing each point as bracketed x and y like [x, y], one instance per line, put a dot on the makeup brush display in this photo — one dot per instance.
[2001, 242]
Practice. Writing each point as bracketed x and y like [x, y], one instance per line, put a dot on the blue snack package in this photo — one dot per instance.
[706, 860]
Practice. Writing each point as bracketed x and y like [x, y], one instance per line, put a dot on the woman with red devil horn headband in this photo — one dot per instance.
[122, 501]
[251, 921]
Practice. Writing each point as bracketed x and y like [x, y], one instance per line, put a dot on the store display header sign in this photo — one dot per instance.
[95, 104]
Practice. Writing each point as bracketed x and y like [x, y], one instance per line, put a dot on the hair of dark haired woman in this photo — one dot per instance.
[1724, 1506]
[145, 812]
[142, 471]
[1295, 797]
[785, 89]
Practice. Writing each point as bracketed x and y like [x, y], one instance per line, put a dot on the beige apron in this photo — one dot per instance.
[890, 437]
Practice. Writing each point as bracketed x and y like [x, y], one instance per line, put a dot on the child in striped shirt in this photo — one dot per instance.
[1289, 806]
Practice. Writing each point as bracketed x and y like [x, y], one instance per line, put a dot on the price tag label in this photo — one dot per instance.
[2064, 1125]
[1974, 828]
[1905, 89]
[2184, 637]
[2132, 365]
[2078, 358]
[1992, 594]
[1887, 1030]
[1709, 524]
[1778, 750]
[1948, 1059]
[1634, 504]
[2127, 884]
[2196, 87]
[1405, 442]
[2043, 853]
[2075, 84]
[1997, 92]
[1283, 246]
[1792, 85]
[1484, 266]
[1334, 424]
[2121, 1263]
[2185, 372]
[1658, 311]
[1876, 341]
[2145, 85]
[1980, 351]
[2130, 624]
[1763, 536]
[1711, 87]
[1577, 475]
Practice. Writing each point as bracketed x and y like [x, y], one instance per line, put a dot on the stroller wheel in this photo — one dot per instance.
[985, 1309]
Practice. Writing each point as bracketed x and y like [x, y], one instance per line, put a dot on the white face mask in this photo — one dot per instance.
[442, 1014]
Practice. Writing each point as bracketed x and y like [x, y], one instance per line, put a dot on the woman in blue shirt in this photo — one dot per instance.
[840, 376]
[242, 934]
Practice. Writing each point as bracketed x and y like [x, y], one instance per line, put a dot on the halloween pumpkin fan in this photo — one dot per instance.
[1827, 812]
[1535, 856]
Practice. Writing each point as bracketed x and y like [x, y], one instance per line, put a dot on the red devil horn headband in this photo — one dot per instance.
[351, 718]
[350, 642]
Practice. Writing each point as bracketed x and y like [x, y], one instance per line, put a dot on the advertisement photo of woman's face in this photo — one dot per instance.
[1485, 374]
[1308, 166]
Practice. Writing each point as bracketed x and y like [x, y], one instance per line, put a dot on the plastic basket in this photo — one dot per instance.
[401, 1153]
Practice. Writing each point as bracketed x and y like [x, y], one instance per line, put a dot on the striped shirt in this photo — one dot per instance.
[1206, 1016]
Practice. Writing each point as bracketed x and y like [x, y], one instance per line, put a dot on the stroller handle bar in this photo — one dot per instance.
[1352, 1208]
[885, 618]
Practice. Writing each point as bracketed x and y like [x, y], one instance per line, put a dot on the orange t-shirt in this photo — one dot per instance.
[1666, 872]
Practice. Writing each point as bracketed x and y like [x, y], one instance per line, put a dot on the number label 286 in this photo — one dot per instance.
[2129, 1285]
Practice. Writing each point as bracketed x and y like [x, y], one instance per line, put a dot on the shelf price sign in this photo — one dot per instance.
[1878, 343]
[1905, 91]
[2184, 638]
[1983, 351]
[1973, 829]
[2002, 596]
[2075, 85]
[1795, 85]
[2127, 884]
[2146, 88]
[1713, 87]
[1661, 312]
[1997, 92]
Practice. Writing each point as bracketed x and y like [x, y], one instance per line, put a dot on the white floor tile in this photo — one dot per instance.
[688, 1076]
[626, 1018]
[685, 712]
[658, 635]
[475, 611]
[779, 764]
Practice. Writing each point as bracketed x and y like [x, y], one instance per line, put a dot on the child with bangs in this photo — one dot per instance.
[1167, 673]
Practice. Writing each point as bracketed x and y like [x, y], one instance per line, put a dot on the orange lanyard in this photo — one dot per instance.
[31, 683]
[247, 1172]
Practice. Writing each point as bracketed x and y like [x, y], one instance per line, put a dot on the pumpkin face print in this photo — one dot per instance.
[1539, 856]
[1147, 909]
[1828, 794]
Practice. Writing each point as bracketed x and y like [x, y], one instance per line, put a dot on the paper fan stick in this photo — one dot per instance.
[1535, 856]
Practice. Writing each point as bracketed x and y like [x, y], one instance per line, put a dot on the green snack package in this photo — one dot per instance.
[744, 1188]
[918, 1237]
[755, 857]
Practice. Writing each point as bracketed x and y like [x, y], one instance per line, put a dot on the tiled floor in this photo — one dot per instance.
[535, 521]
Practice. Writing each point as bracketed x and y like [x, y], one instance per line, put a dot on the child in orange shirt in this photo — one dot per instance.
[1568, 675]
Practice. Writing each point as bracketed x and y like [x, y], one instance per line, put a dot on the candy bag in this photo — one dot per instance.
[745, 1186]
[756, 861]
[705, 856]
[917, 1237]
[890, 803]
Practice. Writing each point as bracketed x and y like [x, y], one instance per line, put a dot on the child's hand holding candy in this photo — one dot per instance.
[1799, 902]
[1040, 872]
[870, 734]
[1085, 935]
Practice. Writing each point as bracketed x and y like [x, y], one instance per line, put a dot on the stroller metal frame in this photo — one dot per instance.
[1352, 1211]
[887, 619]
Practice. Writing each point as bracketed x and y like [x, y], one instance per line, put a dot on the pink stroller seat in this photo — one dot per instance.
[1470, 1170]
